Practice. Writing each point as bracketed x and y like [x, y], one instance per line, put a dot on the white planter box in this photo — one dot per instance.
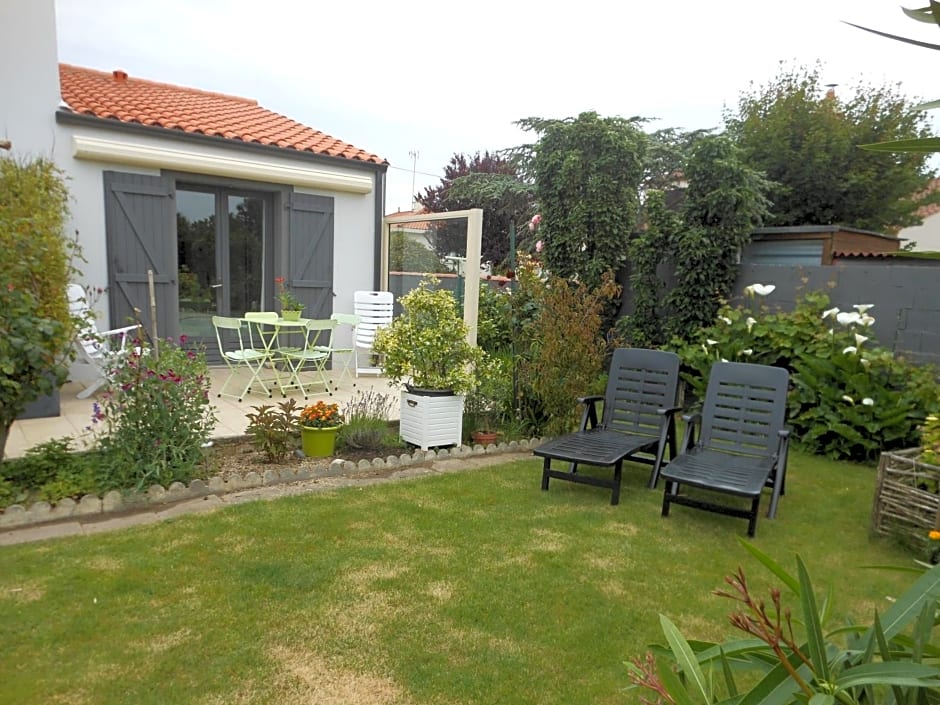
[428, 421]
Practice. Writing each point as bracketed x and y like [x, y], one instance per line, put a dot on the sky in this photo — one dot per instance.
[416, 82]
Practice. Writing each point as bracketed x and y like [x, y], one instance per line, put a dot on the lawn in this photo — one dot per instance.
[472, 587]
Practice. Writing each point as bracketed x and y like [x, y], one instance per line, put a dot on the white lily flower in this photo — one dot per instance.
[830, 312]
[711, 342]
[750, 323]
[846, 397]
[725, 319]
[764, 289]
[851, 349]
[859, 339]
[832, 331]
[845, 318]
[861, 308]
[747, 352]
[866, 320]
[868, 401]
[865, 362]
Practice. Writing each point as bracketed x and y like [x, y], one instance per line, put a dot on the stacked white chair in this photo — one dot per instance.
[375, 309]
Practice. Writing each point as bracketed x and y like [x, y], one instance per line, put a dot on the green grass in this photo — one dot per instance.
[472, 587]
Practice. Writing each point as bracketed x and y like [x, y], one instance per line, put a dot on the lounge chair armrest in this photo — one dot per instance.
[669, 411]
[692, 421]
[589, 417]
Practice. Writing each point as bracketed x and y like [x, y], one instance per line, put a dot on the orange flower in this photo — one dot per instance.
[934, 535]
[321, 415]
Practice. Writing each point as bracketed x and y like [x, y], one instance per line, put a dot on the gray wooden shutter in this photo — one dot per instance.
[141, 236]
[311, 253]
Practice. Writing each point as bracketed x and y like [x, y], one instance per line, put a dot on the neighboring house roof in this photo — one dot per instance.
[116, 96]
[418, 225]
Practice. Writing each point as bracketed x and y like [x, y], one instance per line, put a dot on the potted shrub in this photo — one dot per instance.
[427, 350]
[291, 306]
[490, 403]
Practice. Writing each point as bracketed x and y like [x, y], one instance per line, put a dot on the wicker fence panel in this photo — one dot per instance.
[907, 497]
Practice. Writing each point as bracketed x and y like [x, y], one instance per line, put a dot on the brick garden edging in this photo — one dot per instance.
[16, 515]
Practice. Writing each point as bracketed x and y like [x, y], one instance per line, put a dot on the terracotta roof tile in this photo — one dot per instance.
[116, 96]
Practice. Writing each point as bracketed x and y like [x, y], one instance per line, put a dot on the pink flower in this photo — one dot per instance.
[538, 246]
[534, 223]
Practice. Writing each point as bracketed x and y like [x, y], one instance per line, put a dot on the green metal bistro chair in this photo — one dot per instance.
[741, 447]
[232, 334]
[348, 354]
[318, 344]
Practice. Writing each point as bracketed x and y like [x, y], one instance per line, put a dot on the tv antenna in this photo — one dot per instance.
[414, 154]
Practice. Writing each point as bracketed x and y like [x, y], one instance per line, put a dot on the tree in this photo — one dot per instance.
[36, 326]
[807, 140]
[929, 15]
[588, 172]
[490, 182]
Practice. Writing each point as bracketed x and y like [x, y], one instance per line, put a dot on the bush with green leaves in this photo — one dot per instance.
[849, 399]
[274, 431]
[788, 656]
[155, 418]
[426, 346]
[36, 326]
[560, 346]
[49, 471]
[367, 426]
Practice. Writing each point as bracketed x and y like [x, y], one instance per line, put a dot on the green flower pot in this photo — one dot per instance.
[318, 442]
[291, 315]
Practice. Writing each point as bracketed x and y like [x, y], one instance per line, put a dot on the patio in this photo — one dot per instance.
[231, 419]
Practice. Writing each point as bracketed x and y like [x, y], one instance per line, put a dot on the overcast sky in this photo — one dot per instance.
[436, 78]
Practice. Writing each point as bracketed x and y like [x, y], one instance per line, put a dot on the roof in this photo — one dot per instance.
[117, 96]
[417, 225]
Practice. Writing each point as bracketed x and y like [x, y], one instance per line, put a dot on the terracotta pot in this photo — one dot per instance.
[484, 437]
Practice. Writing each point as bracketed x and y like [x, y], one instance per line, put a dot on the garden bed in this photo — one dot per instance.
[234, 465]
[907, 497]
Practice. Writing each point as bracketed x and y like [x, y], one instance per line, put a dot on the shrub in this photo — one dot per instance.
[49, 471]
[367, 417]
[560, 347]
[426, 345]
[36, 327]
[155, 417]
[274, 431]
[849, 398]
[793, 659]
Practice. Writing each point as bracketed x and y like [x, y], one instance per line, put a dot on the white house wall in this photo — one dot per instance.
[29, 77]
[926, 236]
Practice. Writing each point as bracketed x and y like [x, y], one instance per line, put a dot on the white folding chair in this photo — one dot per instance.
[98, 349]
[318, 344]
[374, 309]
[348, 354]
[228, 332]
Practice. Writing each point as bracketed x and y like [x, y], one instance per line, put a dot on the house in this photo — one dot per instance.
[211, 195]
[926, 236]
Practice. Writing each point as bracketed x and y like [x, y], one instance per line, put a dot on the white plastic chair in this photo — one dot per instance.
[374, 309]
[96, 348]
